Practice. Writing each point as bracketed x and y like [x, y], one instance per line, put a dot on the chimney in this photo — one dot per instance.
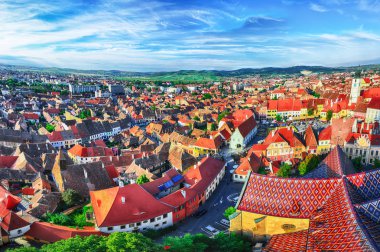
[123, 200]
[199, 162]
[273, 133]
[121, 183]
[183, 192]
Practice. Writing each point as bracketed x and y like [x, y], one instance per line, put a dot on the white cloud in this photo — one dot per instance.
[317, 7]
[369, 5]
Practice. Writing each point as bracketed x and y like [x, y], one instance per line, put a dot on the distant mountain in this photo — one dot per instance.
[205, 74]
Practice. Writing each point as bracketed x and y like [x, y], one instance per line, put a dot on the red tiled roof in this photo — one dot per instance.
[139, 205]
[310, 138]
[112, 172]
[325, 134]
[202, 175]
[9, 220]
[290, 242]
[9, 200]
[30, 116]
[209, 143]
[374, 103]
[177, 199]
[55, 136]
[250, 163]
[335, 224]
[27, 191]
[48, 232]
[371, 93]
[152, 186]
[7, 161]
[247, 126]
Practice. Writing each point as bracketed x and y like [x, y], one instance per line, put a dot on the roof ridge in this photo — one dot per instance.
[357, 218]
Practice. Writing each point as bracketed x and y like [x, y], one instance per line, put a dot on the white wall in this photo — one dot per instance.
[158, 223]
[15, 233]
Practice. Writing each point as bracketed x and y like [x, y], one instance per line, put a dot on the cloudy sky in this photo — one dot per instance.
[188, 34]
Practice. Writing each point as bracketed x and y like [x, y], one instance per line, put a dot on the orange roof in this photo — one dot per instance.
[138, 205]
[177, 198]
[9, 200]
[202, 175]
[47, 232]
[325, 133]
[209, 143]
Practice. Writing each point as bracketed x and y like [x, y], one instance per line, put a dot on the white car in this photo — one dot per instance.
[212, 230]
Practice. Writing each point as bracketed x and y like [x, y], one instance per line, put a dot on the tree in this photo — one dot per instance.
[184, 244]
[214, 127]
[229, 211]
[310, 111]
[115, 242]
[284, 170]
[310, 163]
[59, 219]
[50, 127]
[196, 118]
[357, 162]
[130, 242]
[279, 118]
[206, 96]
[230, 243]
[376, 163]
[71, 197]
[222, 115]
[142, 179]
[329, 115]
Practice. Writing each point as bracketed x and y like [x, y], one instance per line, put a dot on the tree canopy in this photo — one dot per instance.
[136, 242]
[229, 211]
[284, 170]
[310, 163]
[279, 118]
[142, 179]
[200, 242]
[71, 197]
[329, 115]
[207, 96]
[49, 127]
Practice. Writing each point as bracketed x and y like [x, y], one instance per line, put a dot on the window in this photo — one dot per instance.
[138, 224]
[165, 215]
[163, 223]
[145, 221]
[19, 231]
[158, 218]
[156, 225]
[152, 220]
[131, 225]
[122, 227]
[110, 228]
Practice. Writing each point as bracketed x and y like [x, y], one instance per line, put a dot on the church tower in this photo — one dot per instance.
[355, 90]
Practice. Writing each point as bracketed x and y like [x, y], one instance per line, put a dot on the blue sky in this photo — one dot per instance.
[184, 34]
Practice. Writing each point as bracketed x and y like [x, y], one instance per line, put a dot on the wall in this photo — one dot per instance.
[158, 223]
[244, 223]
